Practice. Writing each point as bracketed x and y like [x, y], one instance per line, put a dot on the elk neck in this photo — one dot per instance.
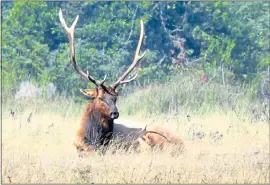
[97, 129]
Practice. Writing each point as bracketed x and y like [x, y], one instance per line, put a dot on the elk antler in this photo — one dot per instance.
[137, 58]
[70, 34]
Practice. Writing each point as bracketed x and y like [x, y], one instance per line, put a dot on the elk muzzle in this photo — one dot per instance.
[114, 115]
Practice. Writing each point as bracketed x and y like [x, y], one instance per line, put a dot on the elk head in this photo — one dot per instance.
[102, 96]
[105, 99]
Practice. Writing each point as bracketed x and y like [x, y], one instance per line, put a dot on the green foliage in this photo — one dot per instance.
[232, 37]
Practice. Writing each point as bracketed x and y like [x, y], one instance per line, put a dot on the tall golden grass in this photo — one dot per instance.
[41, 151]
[225, 132]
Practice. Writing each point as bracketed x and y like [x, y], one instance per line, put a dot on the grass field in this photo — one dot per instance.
[221, 146]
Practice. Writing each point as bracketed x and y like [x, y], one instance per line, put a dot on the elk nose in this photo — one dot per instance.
[114, 115]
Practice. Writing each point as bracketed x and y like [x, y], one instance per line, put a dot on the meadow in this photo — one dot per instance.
[225, 130]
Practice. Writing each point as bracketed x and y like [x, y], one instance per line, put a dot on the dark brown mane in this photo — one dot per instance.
[95, 130]
[96, 133]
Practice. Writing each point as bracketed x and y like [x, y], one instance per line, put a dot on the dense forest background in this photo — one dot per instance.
[225, 40]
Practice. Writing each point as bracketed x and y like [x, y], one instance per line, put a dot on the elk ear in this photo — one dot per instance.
[92, 93]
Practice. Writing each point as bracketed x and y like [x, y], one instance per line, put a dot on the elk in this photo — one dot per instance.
[97, 121]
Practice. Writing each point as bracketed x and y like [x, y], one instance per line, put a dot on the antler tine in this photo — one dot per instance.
[70, 34]
[102, 82]
[129, 80]
[137, 58]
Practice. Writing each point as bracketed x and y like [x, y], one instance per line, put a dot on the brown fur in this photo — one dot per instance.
[145, 140]
[96, 127]
[160, 137]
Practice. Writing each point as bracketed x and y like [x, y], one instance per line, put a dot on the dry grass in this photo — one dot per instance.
[41, 151]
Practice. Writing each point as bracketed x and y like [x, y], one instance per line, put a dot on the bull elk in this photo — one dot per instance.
[97, 121]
